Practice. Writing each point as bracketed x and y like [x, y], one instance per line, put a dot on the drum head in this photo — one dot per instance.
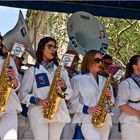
[86, 33]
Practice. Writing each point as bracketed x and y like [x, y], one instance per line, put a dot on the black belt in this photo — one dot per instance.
[134, 101]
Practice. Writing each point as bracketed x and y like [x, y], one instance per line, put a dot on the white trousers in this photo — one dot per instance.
[8, 126]
[68, 130]
[91, 133]
[130, 131]
[24, 129]
[46, 131]
[114, 133]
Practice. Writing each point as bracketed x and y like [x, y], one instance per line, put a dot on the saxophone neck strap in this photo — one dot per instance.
[136, 82]
[138, 86]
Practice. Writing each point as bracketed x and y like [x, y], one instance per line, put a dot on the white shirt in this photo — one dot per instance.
[29, 88]
[128, 90]
[87, 92]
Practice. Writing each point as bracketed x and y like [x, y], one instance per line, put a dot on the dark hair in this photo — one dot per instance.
[129, 67]
[41, 46]
[107, 56]
[88, 60]
[2, 53]
[73, 52]
[1, 37]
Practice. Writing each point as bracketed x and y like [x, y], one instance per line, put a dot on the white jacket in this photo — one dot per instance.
[29, 88]
[128, 90]
[13, 101]
[87, 92]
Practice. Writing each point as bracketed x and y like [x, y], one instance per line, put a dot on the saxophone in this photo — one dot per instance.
[5, 85]
[105, 105]
[55, 95]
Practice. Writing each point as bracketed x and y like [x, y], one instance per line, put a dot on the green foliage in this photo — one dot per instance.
[31, 14]
[58, 22]
[124, 37]
[124, 34]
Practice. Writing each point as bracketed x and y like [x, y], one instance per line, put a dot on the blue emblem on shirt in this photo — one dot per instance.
[42, 80]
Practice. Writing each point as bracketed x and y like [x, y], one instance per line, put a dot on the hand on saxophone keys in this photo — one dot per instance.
[60, 83]
[109, 94]
[44, 102]
[94, 111]
[11, 75]
[109, 104]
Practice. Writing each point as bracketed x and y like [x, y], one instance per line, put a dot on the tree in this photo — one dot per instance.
[124, 34]
[124, 37]
[49, 24]
[58, 22]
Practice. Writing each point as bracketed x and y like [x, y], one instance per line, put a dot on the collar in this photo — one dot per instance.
[136, 78]
[48, 65]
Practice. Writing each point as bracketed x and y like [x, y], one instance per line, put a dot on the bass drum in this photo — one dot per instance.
[86, 33]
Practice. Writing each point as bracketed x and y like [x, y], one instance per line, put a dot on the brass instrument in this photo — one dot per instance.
[93, 38]
[105, 104]
[5, 85]
[55, 95]
[19, 34]
[86, 33]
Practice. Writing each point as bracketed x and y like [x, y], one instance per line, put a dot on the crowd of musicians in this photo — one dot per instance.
[23, 117]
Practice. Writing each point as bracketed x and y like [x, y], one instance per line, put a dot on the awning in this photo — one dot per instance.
[118, 9]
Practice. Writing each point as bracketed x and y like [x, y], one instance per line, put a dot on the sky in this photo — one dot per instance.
[9, 18]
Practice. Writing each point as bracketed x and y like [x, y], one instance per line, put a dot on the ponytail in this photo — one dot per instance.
[129, 67]
[129, 70]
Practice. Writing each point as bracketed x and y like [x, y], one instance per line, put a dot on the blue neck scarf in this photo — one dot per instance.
[49, 66]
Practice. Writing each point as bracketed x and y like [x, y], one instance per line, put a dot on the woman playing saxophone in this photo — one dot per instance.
[35, 92]
[9, 103]
[87, 88]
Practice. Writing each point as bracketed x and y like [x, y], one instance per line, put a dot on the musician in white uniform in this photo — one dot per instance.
[8, 118]
[87, 89]
[34, 91]
[69, 128]
[128, 100]
[108, 66]
[24, 130]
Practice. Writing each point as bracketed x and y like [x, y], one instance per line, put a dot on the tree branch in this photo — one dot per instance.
[128, 27]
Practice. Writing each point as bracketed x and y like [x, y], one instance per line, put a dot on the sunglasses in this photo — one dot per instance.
[98, 60]
[107, 63]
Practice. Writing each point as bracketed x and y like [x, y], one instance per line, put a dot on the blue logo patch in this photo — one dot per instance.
[42, 80]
